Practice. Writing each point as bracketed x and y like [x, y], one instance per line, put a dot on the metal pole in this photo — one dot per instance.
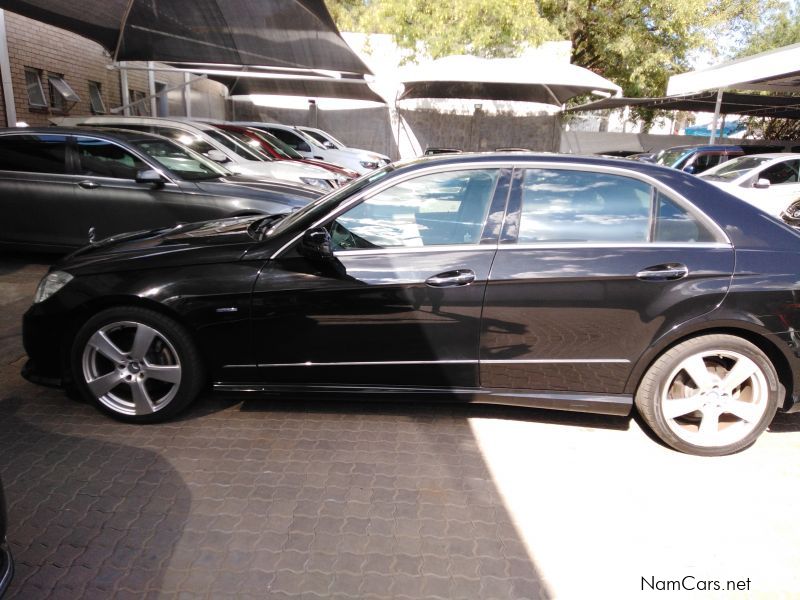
[151, 88]
[124, 92]
[713, 137]
[187, 94]
[5, 75]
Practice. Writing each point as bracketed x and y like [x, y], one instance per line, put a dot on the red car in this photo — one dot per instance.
[280, 151]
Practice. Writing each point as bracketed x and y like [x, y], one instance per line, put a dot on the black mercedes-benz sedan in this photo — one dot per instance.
[6, 562]
[586, 284]
[60, 187]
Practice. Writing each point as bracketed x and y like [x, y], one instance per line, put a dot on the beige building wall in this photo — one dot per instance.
[53, 51]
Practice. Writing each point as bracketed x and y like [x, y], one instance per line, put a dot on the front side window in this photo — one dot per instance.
[186, 164]
[192, 142]
[294, 141]
[437, 209]
[33, 153]
[101, 158]
[782, 172]
[566, 206]
[33, 79]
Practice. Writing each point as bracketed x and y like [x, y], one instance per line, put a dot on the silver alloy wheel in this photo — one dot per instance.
[715, 398]
[139, 380]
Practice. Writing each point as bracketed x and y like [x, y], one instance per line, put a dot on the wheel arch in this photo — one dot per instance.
[765, 340]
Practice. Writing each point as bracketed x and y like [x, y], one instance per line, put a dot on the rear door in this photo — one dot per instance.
[593, 266]
[36, 192]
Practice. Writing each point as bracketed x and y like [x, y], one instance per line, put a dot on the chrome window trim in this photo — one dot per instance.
[559, 245]
[680, 199]
[418, 249]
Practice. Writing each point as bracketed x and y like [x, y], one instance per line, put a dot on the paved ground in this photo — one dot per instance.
[303, 499]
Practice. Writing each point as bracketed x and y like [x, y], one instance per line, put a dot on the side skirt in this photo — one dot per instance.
[603, 404]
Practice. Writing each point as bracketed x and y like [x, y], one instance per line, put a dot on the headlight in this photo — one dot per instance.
[369, 164]
[50, 284]
[323, 184]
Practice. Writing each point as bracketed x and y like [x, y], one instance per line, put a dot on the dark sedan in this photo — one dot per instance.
[563, 282]
[58, 184]
[6, 563]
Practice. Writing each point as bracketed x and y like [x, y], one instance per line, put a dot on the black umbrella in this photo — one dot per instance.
[279, 33]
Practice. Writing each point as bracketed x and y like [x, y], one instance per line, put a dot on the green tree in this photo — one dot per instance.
[781, 28]
[637, 44]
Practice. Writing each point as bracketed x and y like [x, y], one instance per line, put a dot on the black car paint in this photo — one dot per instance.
[6, 561]
[259, 320]
[46, 211]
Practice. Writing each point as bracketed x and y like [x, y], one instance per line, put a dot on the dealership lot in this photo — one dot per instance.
[315, 499]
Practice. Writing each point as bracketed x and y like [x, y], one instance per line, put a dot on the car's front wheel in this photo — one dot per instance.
[711, 395]
[136, 364]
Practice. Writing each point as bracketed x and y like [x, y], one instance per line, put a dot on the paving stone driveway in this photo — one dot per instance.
[299, 499]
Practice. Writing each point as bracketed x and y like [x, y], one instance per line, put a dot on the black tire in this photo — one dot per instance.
[667, 393]
[150, 381]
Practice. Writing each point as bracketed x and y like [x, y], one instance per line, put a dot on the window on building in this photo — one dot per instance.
[33, 79]
[62, 96]
[96, 98]
[139, 106]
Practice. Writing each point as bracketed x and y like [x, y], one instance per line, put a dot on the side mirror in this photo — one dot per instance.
[150, 177]
[329, 145]
[316, 243]
[761, 184]
[689, 169]
[217, 156]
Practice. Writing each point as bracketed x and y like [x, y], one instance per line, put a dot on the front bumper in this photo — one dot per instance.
[6, 566]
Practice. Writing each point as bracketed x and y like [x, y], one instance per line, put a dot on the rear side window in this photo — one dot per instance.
[581, 206]
[673, 223]
[33, 153]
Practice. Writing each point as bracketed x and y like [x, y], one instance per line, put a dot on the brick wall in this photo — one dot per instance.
[55, 51]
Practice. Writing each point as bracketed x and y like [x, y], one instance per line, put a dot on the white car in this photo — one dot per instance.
[328, 141]
[361, 161]
[236, 155]
[769, 181]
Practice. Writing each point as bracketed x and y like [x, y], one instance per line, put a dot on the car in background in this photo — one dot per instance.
[769, 181]
[699, 158]
[602, 286]
[58, 184]
[328, 141]
[360, 161]
[6, 561]
[268, 143]
[227, 149]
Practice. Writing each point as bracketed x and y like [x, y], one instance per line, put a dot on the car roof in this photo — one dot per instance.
[774, 155]
[112, 133]
[704, 147]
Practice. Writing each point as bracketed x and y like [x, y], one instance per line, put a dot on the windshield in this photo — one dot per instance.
[733, 169]
[325, 204]
[280, 147]
[181, 161]
[243, 149]
[670, 158]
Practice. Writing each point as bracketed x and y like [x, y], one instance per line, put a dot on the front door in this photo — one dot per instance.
[591, 268]
[400, 305]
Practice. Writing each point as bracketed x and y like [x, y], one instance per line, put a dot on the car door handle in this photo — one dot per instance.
[667, 272]
[451, 278]
[88, 185]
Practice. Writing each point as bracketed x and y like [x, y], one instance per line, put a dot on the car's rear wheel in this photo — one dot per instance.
[136, 364]
[711, 395]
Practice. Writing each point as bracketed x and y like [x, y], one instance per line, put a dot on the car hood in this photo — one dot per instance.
[206, 242]
[242, 186]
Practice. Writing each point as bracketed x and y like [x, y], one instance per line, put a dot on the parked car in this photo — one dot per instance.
[328, 141]
[548, 281]
[6, 561]
[360, 161]
[768, 181]
[58, 184]
[268, 143]
[696, 159]
[236, 155]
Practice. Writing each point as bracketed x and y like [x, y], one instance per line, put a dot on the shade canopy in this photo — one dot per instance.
[756, 105]
[774, 71]
[520, 79]
[279, 33]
